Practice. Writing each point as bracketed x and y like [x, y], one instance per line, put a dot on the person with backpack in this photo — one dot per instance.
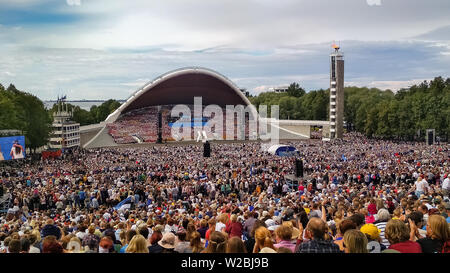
[437, 239]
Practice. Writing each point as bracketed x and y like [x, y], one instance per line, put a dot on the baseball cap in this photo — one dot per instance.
[371, 230]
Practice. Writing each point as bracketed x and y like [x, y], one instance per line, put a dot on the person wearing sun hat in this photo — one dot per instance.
[372, 233]
[168, 242]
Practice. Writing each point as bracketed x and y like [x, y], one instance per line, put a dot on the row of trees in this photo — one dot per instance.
[374, 112]
[96, 113]
[296, 103]
[24, 112]
[400, 115]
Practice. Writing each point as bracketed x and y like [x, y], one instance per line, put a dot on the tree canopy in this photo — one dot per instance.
[25, 112]
[374, 112]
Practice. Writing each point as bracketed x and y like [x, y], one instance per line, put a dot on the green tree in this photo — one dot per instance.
[294, 90]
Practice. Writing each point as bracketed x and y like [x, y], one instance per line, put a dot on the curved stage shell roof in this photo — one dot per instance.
[180, 87]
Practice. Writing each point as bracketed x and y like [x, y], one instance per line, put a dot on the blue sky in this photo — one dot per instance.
[100, 49]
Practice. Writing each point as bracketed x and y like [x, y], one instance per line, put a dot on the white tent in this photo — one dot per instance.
[282, 150]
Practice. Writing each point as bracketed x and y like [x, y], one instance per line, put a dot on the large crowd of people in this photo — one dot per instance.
[141, 125]
[356, 195]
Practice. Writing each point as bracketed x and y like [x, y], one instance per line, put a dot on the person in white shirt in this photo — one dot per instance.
[421, 186]
[446, 186]
[17, 151]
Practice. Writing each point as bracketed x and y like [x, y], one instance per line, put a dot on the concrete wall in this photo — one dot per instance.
[300, 129]
[87, 135]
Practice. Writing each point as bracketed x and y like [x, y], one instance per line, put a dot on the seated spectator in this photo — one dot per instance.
[417, 218]
[359, 219]
[203, 228]
[91, 240]
[34, 242]
[51, 229]
[74, 245]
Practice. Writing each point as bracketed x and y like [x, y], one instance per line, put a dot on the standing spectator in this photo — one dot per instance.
[398, 235]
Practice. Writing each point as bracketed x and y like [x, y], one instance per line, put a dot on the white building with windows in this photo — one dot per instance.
[66, 132]
[279, 89]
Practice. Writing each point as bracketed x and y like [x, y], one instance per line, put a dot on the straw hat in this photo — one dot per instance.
[168, 240]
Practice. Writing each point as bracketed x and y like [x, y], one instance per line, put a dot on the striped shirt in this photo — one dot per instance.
[382, 226]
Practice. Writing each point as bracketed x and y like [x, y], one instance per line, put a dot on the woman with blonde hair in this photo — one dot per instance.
[263, 238]
[137, 245]
[74, 245]
[355, 241]
[222, 222]
[438, 235]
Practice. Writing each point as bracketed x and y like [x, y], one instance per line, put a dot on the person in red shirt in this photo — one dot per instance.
[234, 228]
[212, 227]
[398, 235]
[372, 208]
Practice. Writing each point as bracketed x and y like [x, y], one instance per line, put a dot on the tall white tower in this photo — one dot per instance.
[336, 93]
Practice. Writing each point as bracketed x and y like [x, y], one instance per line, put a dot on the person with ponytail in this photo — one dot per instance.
[263, 238]
[217, 243]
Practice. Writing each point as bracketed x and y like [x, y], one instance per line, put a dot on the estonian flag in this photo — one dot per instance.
[125, 204]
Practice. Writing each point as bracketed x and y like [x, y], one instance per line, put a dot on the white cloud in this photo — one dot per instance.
[384, 85]
[112, 47]
[374, 2]
[73, 2]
